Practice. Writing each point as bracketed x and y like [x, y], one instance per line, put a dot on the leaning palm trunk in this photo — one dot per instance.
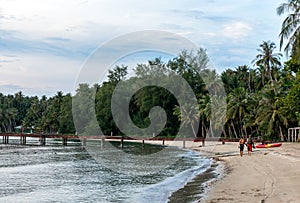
[203, 127]
[224, 132]
[281, 134]
[236, 136]
[193, 129]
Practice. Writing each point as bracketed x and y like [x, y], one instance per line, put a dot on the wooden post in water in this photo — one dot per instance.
[122, 142]
[84, 142]
[23, 140]
[5, 139]
[43, 140]
[64, 141]
[102, 142]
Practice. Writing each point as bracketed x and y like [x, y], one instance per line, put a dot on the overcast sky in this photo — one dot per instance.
[44, 43]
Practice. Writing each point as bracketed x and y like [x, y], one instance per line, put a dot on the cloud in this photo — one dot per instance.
[39, 74]
[42, 41]
[8, 59]
[16, 42]
[236, 30]
[10, 88]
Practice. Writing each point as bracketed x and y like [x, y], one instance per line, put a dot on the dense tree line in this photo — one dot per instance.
[44, 114]
[262, 97]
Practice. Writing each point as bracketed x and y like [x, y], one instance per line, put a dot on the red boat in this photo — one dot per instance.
[268, 145]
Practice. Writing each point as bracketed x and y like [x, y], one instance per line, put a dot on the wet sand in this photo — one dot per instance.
[268, 175]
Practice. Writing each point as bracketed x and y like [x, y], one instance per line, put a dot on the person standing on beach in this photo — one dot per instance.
[241, 146]
[249, 146]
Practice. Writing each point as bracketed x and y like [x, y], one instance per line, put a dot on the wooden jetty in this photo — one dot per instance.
[42, 138]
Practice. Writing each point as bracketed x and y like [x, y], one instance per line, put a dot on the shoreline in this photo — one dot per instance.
[268, 175]
[202, 183]
[195, 187]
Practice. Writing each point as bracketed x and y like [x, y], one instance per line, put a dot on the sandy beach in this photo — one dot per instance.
[268, 175]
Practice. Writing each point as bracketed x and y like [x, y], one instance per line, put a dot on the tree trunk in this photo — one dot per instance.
[281, 134]
[195, 135]
[202, 130]
[224, 131]
[245, 132]
[229, 131]
[236, 136]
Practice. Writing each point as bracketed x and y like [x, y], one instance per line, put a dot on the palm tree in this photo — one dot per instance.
[270, 112]
[212, 81]
[290, 29]
[189, 116]
[11, 117]
[218, 115]
[205, 113]
[266, 58]
[238, 102]
[262, 72]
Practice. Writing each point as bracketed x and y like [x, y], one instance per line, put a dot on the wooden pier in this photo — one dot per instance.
[42, 138]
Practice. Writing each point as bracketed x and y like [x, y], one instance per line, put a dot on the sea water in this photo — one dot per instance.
[70, 174]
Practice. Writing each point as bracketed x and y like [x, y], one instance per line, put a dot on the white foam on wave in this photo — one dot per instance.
[160, 192]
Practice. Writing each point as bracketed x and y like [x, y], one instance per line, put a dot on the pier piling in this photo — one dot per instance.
[102, 142]
[5, 139]
[64, 141]
[84, 142]
[43, 140]
[23, 140]
[122, 142]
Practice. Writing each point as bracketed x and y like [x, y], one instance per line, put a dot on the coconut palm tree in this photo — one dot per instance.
[212, 81]
[205, 113]
[270, 114]
[290, 29]
[218, 115]
[266, 58]
[237, 108]
[189, 116]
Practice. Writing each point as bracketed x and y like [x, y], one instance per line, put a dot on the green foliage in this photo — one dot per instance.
[291, 101]
[298, 117]
[262, 102]
[290, 30]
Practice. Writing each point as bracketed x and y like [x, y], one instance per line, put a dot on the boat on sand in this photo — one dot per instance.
[268, 145]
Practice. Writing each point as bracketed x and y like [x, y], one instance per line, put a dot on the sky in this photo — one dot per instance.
[44, 44]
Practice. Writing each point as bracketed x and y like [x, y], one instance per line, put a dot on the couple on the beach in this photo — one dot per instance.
[249, 144]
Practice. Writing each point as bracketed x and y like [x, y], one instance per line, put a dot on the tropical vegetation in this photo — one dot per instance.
[262, 98]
